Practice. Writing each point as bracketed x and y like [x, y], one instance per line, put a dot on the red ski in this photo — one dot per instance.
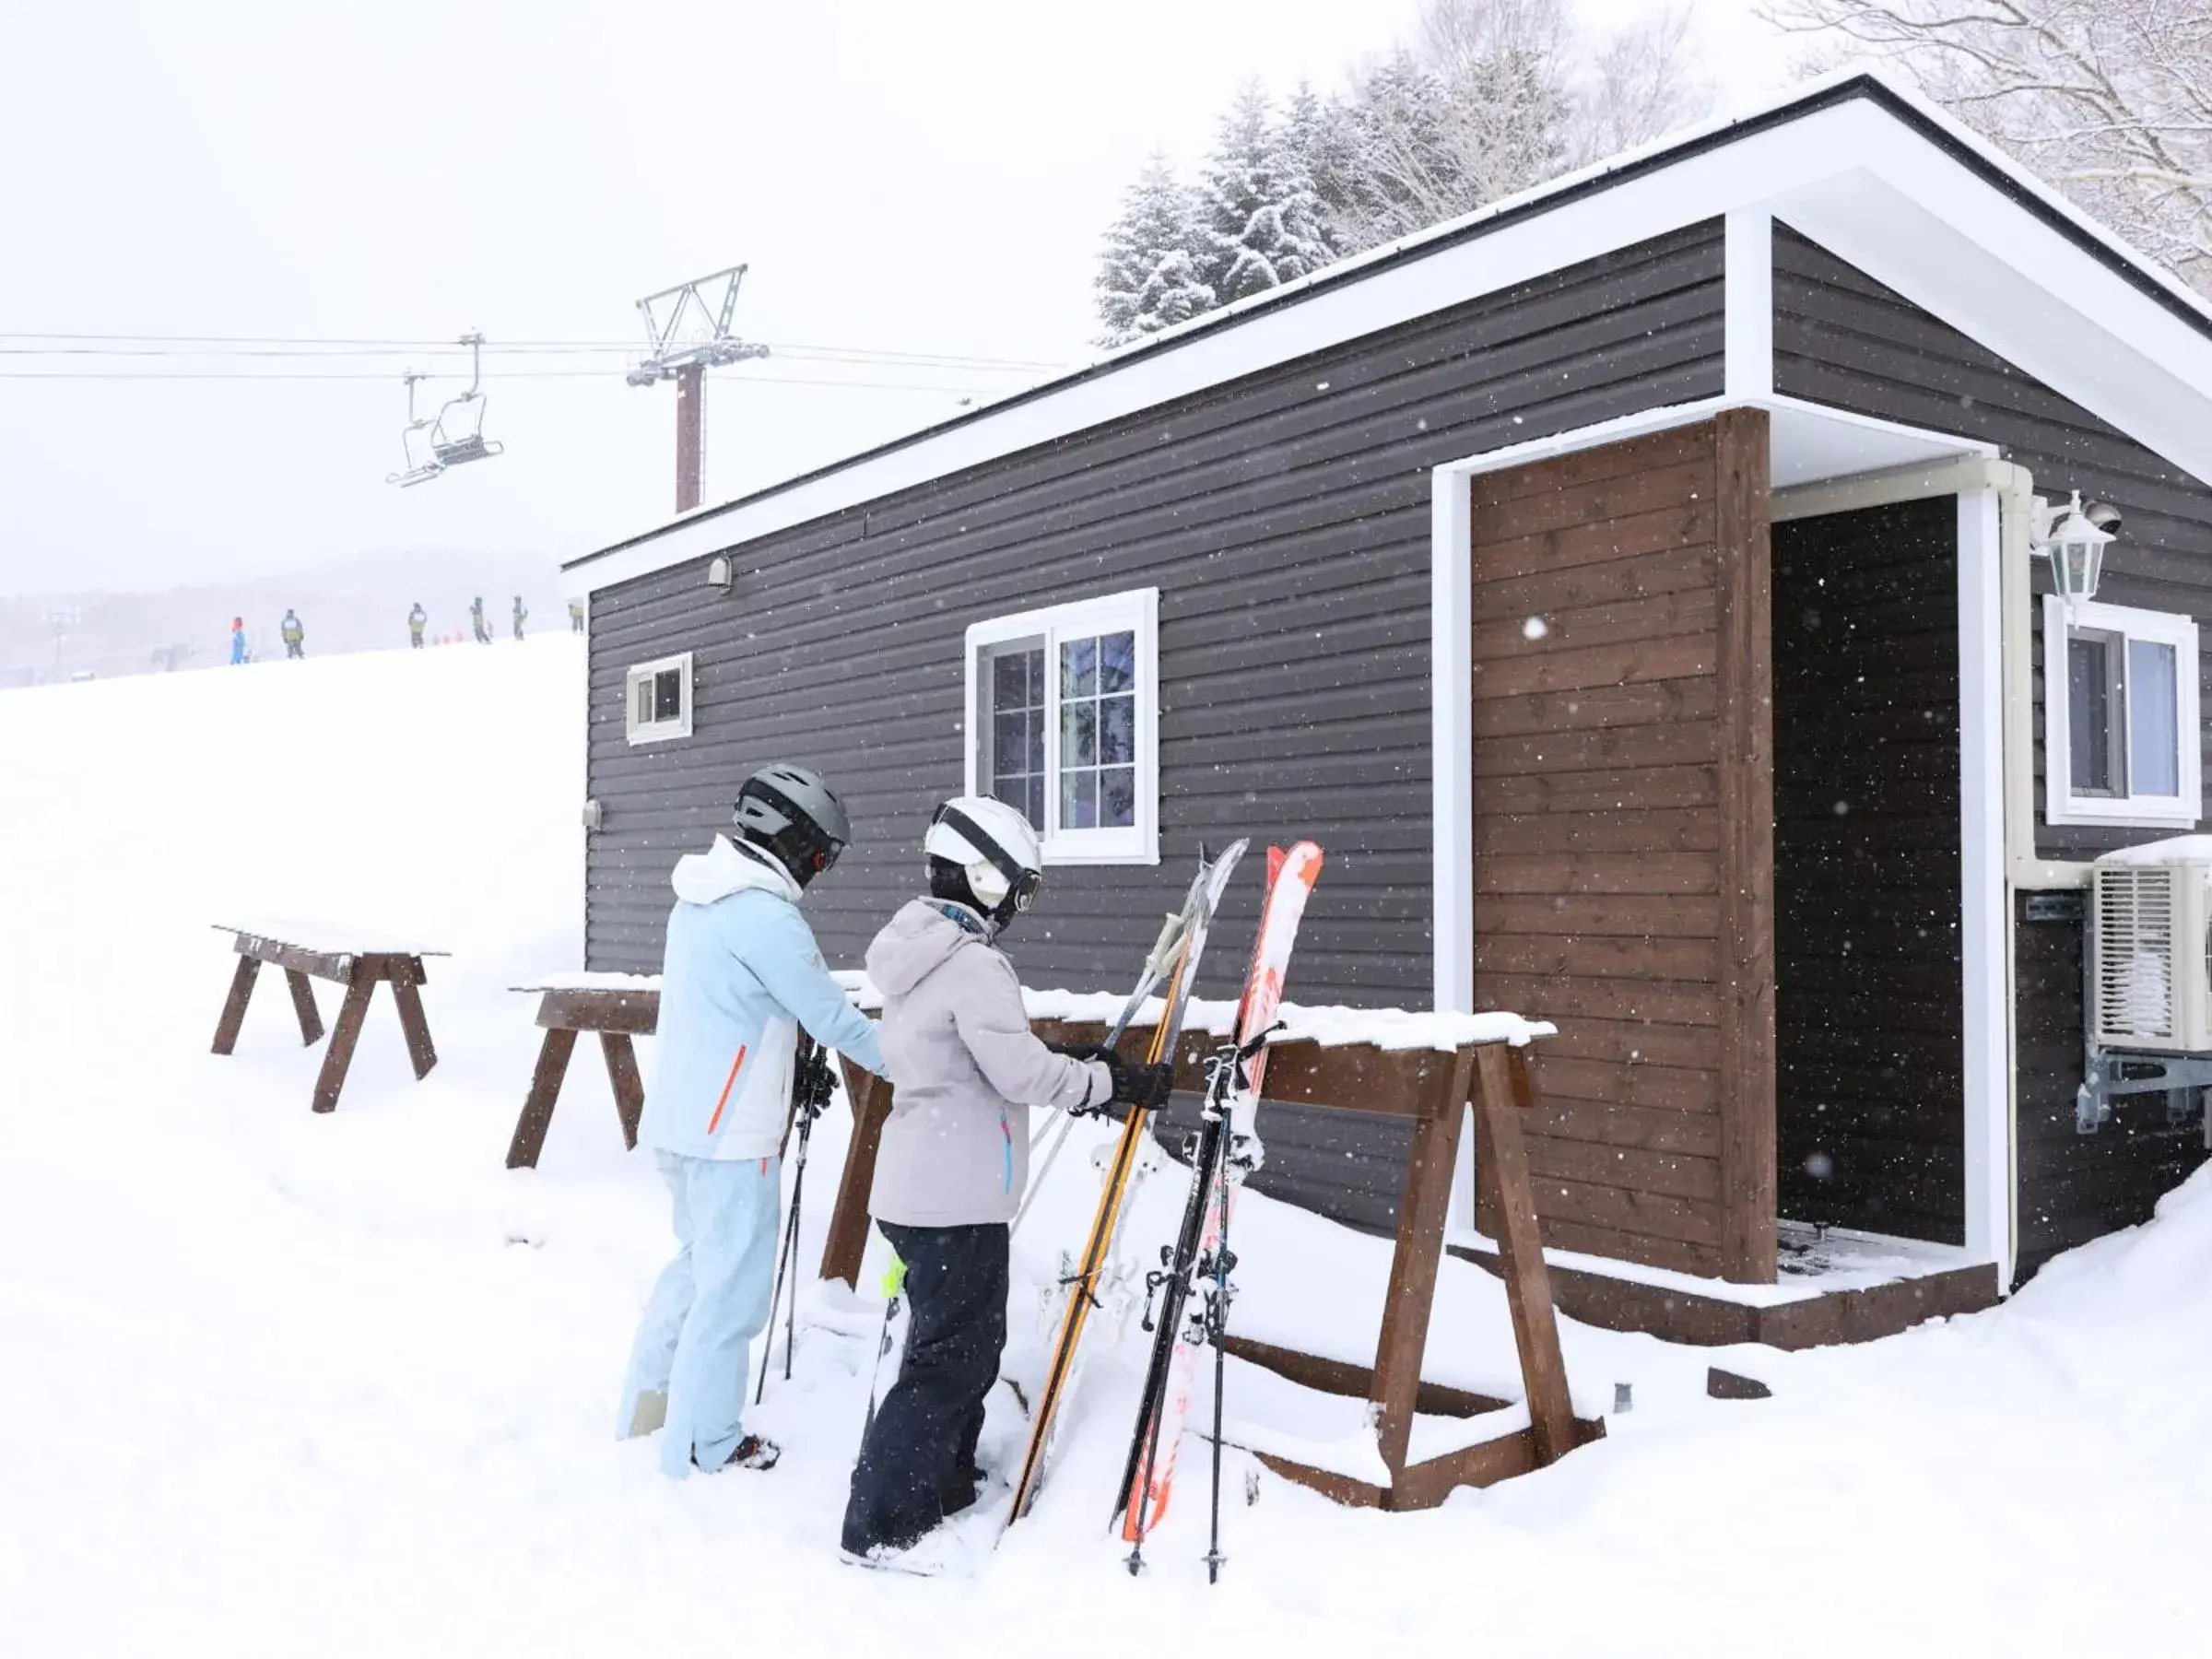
[1226, 1149]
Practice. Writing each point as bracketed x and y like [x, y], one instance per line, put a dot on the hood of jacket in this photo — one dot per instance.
[726, 868]
[918, 941]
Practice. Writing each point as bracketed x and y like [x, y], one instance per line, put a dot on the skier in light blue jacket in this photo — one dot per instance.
[740, 976]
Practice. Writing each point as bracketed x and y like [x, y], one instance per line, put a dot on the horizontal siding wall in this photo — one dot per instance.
[1285, 518]
[1841, 338]
[1285, 521]
[2073, 1187]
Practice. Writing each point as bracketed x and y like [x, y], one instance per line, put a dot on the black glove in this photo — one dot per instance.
[1082, 1051]
[1145, 1086]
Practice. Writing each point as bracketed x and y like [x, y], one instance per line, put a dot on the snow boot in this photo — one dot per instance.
[944, 1552]
[751, 1452]
[961, 1491]
[650, 1412]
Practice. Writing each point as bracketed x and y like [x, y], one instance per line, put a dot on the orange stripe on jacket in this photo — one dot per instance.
[727, 1084]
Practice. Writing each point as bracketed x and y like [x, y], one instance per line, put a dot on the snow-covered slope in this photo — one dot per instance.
[276, 1384]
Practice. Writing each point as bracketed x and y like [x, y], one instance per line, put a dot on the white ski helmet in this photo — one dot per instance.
[992, 844]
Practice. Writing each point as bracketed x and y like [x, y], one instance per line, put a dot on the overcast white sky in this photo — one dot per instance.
[901, 177]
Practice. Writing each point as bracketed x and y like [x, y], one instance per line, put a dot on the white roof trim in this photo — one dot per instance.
[1851, 175]
[1884, 445]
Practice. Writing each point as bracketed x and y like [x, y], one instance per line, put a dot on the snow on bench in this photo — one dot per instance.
[327, 938]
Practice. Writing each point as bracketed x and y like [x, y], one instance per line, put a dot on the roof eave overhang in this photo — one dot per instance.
[1872, 176]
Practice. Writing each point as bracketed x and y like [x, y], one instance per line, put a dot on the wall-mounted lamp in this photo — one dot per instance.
[720, 573]
[2074, 539]
[595, 816]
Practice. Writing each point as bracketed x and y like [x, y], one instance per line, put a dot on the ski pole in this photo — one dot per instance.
[810, 1087]
[791, 1239]
[1068, 1122]
[894, 1281]
[798, 1193]
[1218, 1319]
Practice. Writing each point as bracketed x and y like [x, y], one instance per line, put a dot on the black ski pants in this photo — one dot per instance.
[917, 1463]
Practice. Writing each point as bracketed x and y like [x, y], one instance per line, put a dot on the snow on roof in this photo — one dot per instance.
[1254, 333]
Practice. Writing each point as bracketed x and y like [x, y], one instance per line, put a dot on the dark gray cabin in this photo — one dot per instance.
[1623, 585]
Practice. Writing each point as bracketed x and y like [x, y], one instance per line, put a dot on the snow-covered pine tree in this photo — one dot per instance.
[1149, 271]
[1315, 144]
[1261, 218]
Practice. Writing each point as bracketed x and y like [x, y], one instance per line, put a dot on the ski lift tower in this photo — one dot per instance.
[687, 330]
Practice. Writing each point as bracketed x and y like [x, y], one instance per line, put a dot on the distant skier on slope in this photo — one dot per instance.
[575, 616]
[954, 1163]
[476, 623]
[417, 619]
[237, 641]
[520, 616]
[741, 973]
[295, 636]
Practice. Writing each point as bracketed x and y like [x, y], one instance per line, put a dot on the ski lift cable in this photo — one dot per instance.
[139, 377]
[277, 345]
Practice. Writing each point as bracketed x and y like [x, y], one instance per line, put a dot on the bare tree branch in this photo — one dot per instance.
[2110, 100]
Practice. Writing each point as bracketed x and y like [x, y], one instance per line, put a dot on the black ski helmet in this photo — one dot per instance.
[791, 813]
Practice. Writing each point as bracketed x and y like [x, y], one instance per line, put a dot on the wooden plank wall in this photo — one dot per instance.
[1623, 834]
[1866, 811]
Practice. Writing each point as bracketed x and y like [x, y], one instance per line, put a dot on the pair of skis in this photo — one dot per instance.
[1175, 958]
[1225, 1149]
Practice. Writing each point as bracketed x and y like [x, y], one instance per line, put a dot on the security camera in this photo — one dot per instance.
[2104, 515]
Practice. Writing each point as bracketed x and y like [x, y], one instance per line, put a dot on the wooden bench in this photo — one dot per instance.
[354, 959]
[617, 1006]
[1432, 1086]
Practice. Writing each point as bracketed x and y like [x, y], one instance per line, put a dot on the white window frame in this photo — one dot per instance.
[656, 730]
[1136, 611]
[2060, 805]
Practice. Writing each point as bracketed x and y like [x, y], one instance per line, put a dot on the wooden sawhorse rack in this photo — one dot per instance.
[617, 1013]
[360, 971]
[1432, 1086]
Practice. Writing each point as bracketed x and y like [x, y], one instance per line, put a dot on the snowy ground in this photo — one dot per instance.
[273, 1383]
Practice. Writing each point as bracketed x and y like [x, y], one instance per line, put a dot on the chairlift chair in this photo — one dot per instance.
[450, 446]
[422, 459]
[456, 434]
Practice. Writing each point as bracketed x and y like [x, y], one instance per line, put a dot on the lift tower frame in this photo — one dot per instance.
[686, 359]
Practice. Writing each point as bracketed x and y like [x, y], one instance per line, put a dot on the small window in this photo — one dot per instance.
[2121, 742]
[1066, 724]
[658, 698]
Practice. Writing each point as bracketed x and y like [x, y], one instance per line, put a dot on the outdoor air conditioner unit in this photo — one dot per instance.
[2149, 981]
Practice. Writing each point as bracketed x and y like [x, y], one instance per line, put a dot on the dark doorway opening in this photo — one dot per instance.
[1869, 1011]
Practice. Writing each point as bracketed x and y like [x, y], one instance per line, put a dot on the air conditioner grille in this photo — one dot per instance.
[2135, 950]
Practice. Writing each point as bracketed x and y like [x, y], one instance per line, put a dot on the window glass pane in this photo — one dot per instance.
[1117, 796]
[2153, 740]
[1079, 667]
[668, 694]
[1117, 731]
[1012, 722]
[1117, 662]
[1078, 800]
[2089, 714]
[1078, 734]
[641, 696]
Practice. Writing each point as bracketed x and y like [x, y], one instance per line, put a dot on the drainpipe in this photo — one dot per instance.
[2024, 872]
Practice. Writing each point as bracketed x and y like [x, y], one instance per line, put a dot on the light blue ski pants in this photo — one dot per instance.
[707, 1307]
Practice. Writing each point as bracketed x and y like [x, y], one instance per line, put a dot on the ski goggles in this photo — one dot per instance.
[1022, 885]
